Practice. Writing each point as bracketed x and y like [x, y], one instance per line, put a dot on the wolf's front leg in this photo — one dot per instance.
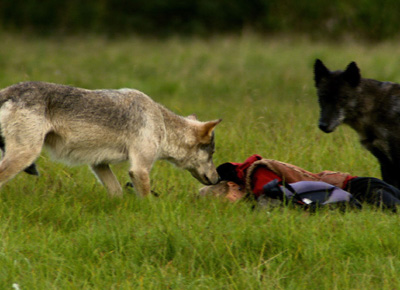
[141, 181]
[141, 159]
[390, 171]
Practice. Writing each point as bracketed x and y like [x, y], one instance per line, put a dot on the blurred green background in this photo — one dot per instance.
[367, 19]
[247, 62]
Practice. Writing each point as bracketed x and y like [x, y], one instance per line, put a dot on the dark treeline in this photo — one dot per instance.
[364, 18]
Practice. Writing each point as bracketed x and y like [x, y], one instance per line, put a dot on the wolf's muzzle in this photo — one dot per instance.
[207, 180]
[210, 182]
[324, 127]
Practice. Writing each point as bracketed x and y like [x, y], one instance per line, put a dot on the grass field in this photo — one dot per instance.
[61, 231]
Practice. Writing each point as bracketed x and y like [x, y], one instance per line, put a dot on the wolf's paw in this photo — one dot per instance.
[130, 186]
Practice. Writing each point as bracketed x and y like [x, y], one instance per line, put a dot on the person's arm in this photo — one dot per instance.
[261, 177]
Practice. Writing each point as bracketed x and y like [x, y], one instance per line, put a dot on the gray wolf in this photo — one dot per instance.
[370, 107]
[99, 128]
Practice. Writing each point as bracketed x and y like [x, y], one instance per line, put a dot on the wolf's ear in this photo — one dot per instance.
[192, 117]
[320, 72]
[352, 74]
[206, 131]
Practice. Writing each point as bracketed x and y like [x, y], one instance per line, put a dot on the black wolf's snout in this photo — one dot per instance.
[324, 127]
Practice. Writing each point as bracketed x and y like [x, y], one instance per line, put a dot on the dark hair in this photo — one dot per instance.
[227, 171]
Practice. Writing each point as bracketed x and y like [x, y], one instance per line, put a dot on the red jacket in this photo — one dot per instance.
[256, 171]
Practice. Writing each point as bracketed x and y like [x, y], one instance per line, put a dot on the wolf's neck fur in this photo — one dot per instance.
[179, 133]
[372, 94]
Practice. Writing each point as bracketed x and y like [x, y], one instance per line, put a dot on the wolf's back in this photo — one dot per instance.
[29, 92]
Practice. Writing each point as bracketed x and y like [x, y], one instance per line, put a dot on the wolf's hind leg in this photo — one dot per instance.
[108, 179]
[17, 159]
[31, 169]
[23, 131]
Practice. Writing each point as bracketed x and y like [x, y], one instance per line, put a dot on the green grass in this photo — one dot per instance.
[61, 231]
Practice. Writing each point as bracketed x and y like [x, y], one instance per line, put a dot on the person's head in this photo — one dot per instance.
[227, 171]
[226, 189]
[232, 176]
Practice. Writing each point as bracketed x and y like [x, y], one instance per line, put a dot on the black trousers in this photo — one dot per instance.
[374, 191]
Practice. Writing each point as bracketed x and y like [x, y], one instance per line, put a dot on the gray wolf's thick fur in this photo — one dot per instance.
[98, 128]
[370, 107]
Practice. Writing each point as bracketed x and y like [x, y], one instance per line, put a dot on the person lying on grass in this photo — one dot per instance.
[250, 178]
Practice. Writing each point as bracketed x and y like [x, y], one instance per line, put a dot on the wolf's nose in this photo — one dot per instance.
[324, 127]
[207, 180]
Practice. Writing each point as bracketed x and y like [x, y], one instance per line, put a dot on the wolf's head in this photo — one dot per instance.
[336, 94]
[197, 149]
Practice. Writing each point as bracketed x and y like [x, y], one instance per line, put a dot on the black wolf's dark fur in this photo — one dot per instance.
[370, 107]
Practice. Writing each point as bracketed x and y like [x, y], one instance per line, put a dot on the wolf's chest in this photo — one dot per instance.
[375, 138]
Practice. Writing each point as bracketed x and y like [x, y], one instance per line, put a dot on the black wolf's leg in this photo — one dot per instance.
[32, 170]
[374, 191]
[390, 172]
[2, 144]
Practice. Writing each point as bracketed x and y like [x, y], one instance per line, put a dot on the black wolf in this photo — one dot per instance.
[370, 107]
